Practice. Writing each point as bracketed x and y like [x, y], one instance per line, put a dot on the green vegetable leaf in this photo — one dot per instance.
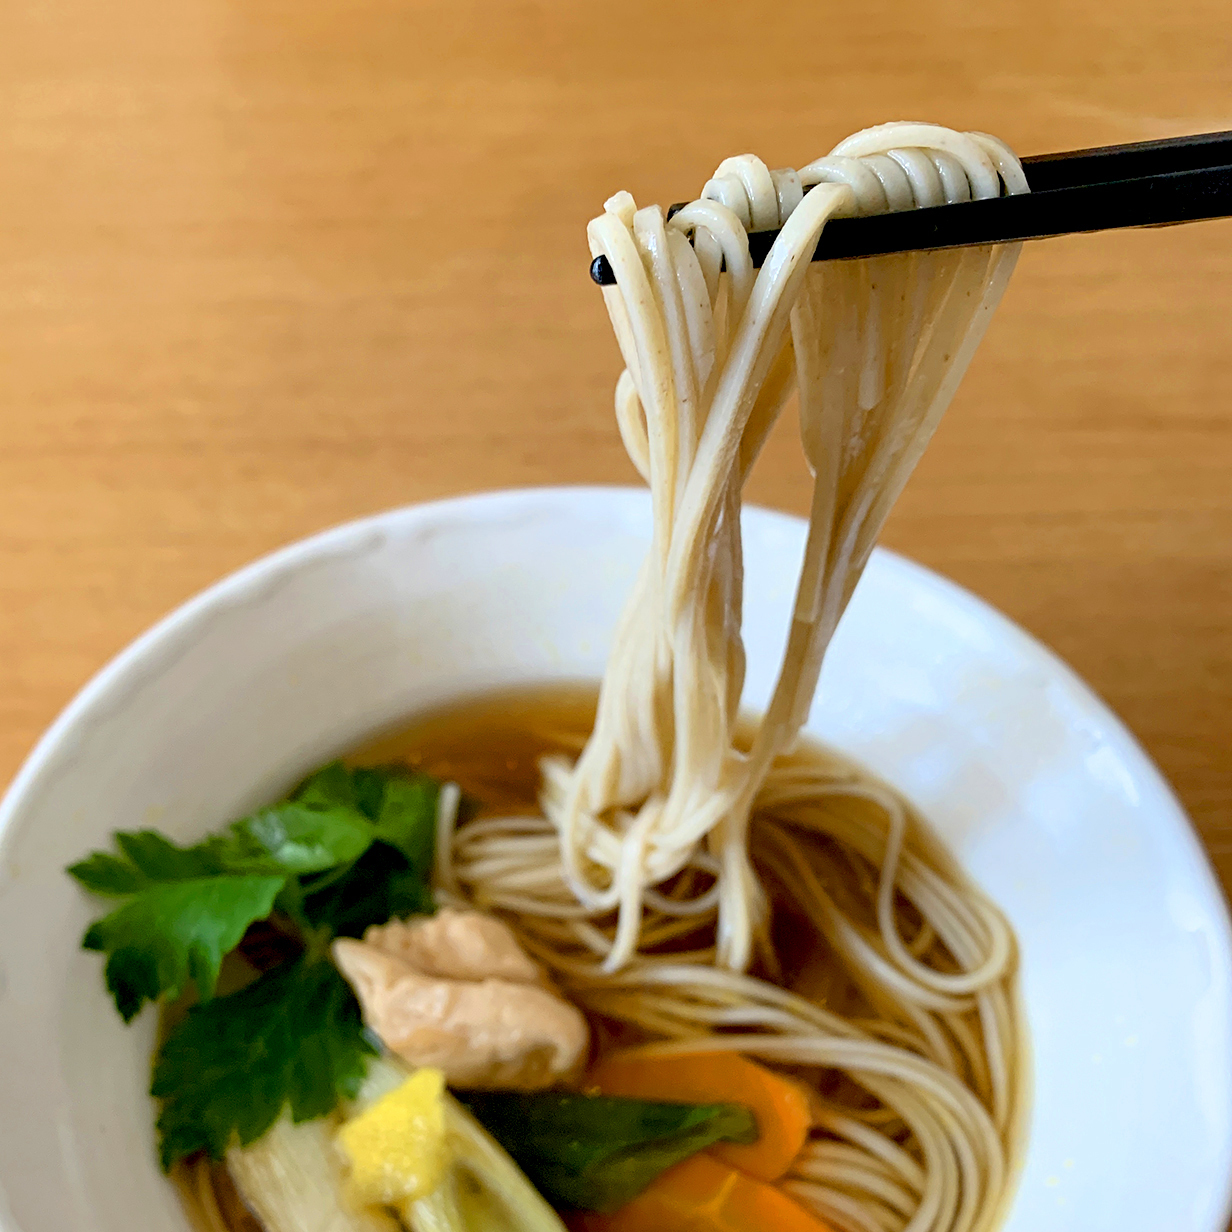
[109, 875]
[392, 878]
[331, 820]
[159, 859]
[172, 933]
[146, 858]
[406, 819]
[293, 837]
[225, 1074]
[368, 787]
[380, 885]
[329, 787]
[351, 848]
[597, 1152]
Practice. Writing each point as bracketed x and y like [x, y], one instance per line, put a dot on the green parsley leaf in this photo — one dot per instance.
[392, 878]
[328, 787]
[331, 820]
[146, 858]
[368, 785]
[406, 819]
[185, 908]
[172, 933]
[380, 885]
[225, 1074]
[102, 873]
[597, 1152]
[293, 837]
[159, 859]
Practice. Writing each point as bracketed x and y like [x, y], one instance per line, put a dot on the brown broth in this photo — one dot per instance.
[491, 745]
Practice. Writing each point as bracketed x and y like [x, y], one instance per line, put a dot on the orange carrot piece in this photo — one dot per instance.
[703, 1195]
[781, 1106]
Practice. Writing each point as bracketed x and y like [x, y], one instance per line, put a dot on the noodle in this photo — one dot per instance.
[646, 886]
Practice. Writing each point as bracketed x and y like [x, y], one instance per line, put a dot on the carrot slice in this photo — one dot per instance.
[703, 1195]
[781, 1106]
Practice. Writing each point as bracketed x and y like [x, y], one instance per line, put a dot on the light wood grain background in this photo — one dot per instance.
[266, 265]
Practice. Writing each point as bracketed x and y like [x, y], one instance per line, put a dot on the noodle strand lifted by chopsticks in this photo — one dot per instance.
[646, 885]
[874, 350]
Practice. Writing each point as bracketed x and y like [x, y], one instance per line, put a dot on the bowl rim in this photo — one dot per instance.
[149, 650]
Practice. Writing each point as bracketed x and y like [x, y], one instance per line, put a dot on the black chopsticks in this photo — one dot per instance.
[1146, 184]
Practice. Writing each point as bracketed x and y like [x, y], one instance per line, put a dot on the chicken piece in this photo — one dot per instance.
[457, 945]
[457, 992]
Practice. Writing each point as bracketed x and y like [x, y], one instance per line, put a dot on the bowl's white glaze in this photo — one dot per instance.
[1047, 800]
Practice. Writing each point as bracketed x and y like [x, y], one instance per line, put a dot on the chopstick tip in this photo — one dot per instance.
[601, 272]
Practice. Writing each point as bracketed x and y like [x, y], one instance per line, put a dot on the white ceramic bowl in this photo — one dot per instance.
[1041, 792]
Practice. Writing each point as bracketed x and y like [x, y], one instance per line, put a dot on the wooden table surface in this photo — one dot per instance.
[266, 265]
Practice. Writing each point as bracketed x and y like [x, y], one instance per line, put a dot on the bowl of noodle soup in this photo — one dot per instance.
[1031, 785]
[636, 860]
